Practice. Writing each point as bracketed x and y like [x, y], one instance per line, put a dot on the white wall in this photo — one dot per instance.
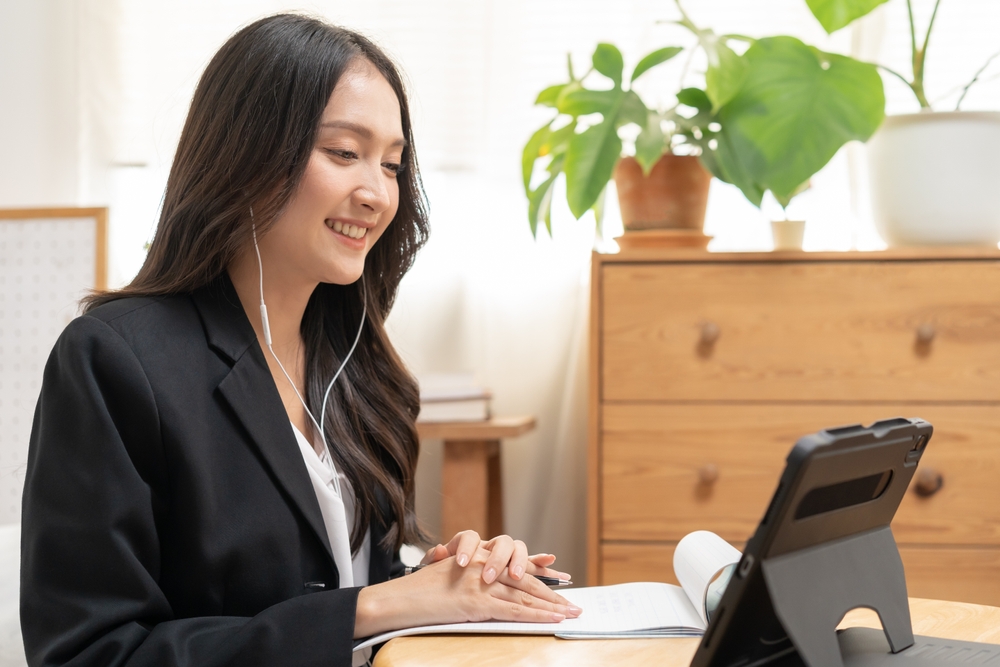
[39, 121]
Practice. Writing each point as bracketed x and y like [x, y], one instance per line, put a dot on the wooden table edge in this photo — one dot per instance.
[491, 429]
[935, 618]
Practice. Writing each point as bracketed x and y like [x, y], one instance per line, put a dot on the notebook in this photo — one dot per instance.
[642, 609]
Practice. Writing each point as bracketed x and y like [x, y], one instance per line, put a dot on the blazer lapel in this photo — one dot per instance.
[250, 391]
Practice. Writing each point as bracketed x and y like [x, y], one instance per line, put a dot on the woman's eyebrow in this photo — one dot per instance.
[360, 130]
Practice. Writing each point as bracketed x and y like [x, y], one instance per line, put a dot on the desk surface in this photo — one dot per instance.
[953, 620]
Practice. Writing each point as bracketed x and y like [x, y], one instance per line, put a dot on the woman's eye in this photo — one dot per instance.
[343, 154]
[392, 167]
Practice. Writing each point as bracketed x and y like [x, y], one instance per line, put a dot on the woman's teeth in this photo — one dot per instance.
[353, 231]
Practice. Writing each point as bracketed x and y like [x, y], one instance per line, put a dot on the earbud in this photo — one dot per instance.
[265, 325]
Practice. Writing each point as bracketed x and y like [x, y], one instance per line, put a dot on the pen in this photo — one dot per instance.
[551, 582]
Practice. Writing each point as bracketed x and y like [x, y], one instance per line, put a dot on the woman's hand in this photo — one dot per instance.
[505, 552]
[445, 592]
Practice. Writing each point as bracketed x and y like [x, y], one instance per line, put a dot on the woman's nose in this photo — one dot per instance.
[373, 192]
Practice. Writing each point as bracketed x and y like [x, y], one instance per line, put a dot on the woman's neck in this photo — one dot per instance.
[286, 298]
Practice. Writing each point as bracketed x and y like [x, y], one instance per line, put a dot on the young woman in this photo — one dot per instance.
[198, 491]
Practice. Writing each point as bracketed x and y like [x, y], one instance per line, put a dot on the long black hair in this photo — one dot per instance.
[249, 133]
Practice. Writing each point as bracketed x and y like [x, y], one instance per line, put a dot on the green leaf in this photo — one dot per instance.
[580, 102]
[609, 62]
[725, 74]
[653, 59]
[728, 164]
[785, 201]
[536, 199]
[631, 110]
[590, 161]
[797, 107]
[550, 95]
[650, 143]
[558, 142]
[532, 151]
[835, 14]
[598, 209]
[695, 98]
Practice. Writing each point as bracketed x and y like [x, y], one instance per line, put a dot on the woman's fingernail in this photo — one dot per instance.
[489, 575]
[574, 610]
[463, 559]
[558, 617]
[518, 571]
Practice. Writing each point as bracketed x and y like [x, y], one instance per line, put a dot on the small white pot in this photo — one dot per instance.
[788, 234]
[935, 178]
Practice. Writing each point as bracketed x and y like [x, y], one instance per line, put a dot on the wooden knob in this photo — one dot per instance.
[925, 333]
[708, 473]
[928, 482]
[709, 333]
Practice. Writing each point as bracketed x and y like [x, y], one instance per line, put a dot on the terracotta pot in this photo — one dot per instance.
[673, 196]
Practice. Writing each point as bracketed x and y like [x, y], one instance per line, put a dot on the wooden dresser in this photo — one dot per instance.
[706, 368]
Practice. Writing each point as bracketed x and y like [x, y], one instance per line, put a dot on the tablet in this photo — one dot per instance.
[837, 483]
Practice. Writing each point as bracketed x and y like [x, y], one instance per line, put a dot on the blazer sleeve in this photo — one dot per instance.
[90, 553]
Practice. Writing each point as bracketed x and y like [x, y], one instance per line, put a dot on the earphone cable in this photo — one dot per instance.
[267, 340]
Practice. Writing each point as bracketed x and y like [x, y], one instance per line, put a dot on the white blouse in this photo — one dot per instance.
[338, 514]
[338, 517]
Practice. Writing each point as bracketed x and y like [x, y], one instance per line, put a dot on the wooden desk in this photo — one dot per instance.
[953, 620]
[470, 479]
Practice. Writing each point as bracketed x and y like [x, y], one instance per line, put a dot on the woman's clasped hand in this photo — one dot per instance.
[446, 591]
[505, 552]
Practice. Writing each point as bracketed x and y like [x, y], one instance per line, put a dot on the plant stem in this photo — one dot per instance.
[913, 28]
[902, 78]
[974, 79]
[920, 53]
[685, 19]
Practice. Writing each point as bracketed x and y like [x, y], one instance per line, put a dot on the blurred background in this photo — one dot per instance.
[95, 92]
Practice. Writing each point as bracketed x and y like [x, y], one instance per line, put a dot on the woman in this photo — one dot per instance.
[198, 492]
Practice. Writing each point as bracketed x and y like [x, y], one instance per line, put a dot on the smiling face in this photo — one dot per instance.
[348, 194]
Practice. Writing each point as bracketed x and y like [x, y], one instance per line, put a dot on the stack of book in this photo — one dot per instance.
[452, 397]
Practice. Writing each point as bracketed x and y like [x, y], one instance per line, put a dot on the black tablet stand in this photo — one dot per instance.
[811, 589]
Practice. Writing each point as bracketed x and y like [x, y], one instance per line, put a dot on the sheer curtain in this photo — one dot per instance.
[484, 296]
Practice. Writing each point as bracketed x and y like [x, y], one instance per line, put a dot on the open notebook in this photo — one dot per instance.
[643, 609]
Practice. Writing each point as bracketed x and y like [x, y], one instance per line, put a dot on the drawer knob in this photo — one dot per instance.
[709, 333]
[708, 474]
[929, 481]
[925, 333]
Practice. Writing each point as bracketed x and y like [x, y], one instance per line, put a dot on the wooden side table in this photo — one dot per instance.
[470, 479]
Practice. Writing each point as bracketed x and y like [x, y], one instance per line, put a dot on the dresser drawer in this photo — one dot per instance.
[801, 331]
[941, 573]
[651, 458]
[952, 573]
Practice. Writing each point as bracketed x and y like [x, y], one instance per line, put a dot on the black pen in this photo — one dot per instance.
[551, 582]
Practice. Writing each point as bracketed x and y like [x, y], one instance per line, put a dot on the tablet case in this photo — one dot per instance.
[824, 547]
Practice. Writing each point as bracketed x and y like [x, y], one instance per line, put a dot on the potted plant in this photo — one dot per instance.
[766, 119]
[784, 109]
[933, 174]
[661, 185]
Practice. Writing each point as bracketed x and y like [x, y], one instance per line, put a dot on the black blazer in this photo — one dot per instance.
[168, 516]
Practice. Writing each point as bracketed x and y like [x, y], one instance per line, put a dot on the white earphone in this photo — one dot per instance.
[267, 340]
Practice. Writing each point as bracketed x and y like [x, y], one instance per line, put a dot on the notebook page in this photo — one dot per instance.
[698, 558]
[607, 610]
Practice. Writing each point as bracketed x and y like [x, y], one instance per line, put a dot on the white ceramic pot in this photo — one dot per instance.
[788, 234]
[935, 178]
